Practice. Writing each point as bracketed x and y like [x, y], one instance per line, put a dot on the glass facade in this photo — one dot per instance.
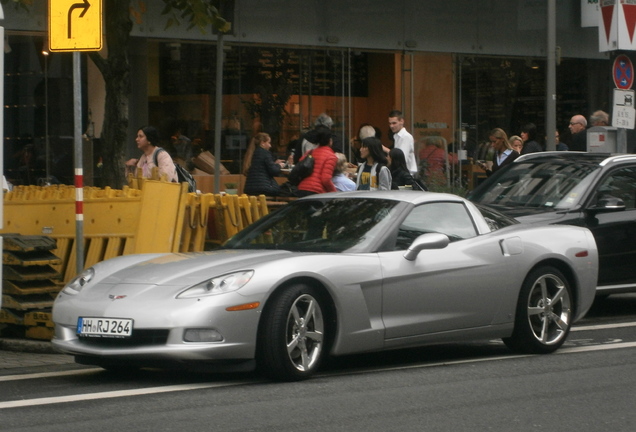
[38, 112]
[282, 89]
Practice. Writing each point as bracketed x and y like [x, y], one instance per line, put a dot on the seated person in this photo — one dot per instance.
[341, 180]
[260, 167]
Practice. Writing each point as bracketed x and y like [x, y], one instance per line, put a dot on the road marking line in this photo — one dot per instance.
[483, 359]
[601, 347]
[112, 394]
[49, 374]
[604, 326]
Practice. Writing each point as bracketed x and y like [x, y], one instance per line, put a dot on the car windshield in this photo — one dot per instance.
[319, 225]
[539, 184]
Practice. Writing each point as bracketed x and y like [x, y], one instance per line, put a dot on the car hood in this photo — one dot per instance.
[518, 211]
[187, 268]
[543, 218]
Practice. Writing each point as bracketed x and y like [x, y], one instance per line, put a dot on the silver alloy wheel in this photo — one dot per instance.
[305, 332]
[549, 309]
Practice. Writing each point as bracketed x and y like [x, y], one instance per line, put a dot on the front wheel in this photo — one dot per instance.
[292, 334]
[544, 312]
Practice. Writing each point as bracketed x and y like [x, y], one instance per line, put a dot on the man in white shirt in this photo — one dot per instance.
[402, 139]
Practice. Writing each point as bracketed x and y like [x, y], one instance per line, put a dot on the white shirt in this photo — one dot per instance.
[503, 156]
[308, 146]
[404, 141]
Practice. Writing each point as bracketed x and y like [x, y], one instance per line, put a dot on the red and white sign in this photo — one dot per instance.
[617, 25]
[623, 72]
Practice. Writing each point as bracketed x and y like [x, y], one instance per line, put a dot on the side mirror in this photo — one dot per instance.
[426, 242]
[608, 204]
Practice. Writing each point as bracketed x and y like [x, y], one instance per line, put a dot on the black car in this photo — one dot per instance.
[595, 190]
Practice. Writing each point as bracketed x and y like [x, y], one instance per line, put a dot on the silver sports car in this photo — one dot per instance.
[334, 274]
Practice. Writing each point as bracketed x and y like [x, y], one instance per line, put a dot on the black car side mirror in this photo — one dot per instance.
[608, 204]
[426, 241]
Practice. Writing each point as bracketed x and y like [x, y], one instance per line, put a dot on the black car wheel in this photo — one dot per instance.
[292, 334]
[544, 312]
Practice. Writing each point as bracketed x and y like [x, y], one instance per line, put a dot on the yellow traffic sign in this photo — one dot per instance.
[75, 25]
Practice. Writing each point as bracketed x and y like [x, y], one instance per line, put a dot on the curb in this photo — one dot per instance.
[27, 346]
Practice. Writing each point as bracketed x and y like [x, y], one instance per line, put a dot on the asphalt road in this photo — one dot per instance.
[588, 385]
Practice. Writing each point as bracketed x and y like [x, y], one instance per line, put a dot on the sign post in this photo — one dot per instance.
[1, 132]
[623, 111]
[76, 25]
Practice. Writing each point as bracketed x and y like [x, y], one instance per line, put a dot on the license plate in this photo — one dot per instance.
[104, 327]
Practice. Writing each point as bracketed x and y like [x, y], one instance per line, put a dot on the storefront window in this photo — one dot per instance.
[37, 88]
[508, 93]
[280, 91]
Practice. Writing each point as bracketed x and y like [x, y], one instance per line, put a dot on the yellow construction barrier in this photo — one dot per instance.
[116, 222]
[159, 217]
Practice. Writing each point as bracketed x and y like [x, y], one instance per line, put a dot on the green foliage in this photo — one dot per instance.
[24, 4]
[198, 13]
[269, 102]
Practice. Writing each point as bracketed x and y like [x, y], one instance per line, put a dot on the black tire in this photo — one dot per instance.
[544, 312]
[292, 339]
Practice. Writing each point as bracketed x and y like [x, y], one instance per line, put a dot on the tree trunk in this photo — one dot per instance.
[115, 69]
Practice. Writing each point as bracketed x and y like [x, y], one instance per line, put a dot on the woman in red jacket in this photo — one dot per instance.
[324, 164]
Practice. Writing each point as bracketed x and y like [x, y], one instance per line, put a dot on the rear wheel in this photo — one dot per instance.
[292, 334]
[544, 312]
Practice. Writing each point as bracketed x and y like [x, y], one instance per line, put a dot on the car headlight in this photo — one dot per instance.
[76, 285]
[218, 285]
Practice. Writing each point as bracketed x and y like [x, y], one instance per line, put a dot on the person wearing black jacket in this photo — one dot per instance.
[504, 153]
[260, 167]
[529, 138]
[400, 175]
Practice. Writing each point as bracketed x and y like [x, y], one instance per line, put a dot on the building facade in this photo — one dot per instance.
[456, 68]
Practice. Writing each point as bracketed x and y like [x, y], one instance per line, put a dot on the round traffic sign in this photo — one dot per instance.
[623, 72]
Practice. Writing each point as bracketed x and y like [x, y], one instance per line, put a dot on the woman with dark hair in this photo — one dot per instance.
[320, 179]
[148, 142]
[400, 175]
[260, 168]
[373, 173]
[529, 138]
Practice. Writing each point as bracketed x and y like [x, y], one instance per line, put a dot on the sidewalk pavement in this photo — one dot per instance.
[24, 353]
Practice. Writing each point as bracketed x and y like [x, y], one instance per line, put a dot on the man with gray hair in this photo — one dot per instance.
[599, 118]
[309, 141]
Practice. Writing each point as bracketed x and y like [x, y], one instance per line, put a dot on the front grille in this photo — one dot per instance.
[138, 338]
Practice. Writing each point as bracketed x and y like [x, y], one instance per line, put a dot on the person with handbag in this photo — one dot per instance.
[320, 179]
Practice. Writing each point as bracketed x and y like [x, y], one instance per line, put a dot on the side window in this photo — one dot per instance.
[620, 184]
[447, 218]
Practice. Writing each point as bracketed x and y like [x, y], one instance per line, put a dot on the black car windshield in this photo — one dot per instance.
[319, 225]
[537, 184]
